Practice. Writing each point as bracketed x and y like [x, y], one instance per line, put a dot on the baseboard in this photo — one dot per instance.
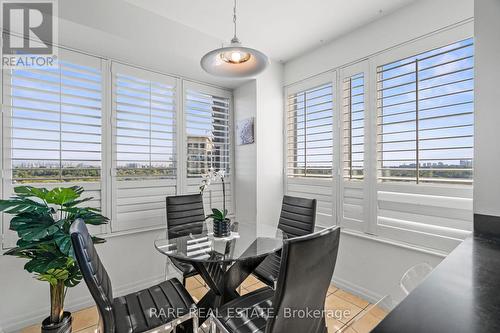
[357, 290]
[27, 319]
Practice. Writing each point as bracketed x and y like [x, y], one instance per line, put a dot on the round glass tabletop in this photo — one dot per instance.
[204, 247]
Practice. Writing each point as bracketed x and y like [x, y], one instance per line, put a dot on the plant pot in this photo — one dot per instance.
[62, 327]
[222, 228]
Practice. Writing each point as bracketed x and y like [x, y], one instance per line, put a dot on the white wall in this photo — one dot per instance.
[487, 108]
[369, 266]
[259, 166]
[245, 185]
[415, 20]
[269, 146]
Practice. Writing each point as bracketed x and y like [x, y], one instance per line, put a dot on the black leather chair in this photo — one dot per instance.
[298, 218]
[167, 305]
[307, 265]
[185, 215]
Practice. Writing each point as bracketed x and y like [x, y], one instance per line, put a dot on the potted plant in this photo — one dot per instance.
[222, 224]
[42, 219]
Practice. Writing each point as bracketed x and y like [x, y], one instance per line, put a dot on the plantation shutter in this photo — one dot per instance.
[354, 192]
[425, 123]
[144, 141]
[53, 127]
[310, 144]
[208, 141]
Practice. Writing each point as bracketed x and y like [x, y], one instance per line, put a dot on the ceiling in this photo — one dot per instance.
[171, 36]
[283, 29]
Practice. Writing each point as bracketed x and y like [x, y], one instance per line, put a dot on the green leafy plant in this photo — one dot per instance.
[42, 221]
[217, 214]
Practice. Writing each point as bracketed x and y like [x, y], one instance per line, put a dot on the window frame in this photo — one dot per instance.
[323, 189]
[435, 238]
[191, 184]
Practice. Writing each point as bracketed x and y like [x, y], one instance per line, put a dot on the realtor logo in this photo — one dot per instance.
[28, 34]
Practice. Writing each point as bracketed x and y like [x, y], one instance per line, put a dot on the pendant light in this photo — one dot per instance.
[234, 61]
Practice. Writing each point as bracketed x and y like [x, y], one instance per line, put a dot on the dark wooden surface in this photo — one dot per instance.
[461, 295]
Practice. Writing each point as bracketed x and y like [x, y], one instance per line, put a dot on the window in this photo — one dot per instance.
[207, 133]
[55, 117]
[310, 132]
[145, 128]
[208, 141]
[353, 122]
[426, 117]
[144, 134]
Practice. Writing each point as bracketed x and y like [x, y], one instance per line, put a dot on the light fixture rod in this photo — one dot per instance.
[235, 39]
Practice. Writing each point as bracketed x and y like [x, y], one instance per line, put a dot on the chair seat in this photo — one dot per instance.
[269, 269]
[152, 307]
[258, 305]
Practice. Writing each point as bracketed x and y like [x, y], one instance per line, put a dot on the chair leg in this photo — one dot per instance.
[195, 323]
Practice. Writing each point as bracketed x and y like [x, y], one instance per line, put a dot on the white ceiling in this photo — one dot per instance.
[283, 29]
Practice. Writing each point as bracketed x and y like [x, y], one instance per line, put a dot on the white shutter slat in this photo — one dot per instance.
[310, 132]
[144, 147]
[43, 103]
[424, 147]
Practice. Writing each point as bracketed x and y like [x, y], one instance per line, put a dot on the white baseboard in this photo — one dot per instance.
[357, 290]
[27, 319]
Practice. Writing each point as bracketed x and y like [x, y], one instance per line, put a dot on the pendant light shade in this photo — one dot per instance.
[234, 61]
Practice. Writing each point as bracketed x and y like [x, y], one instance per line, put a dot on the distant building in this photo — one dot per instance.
[200, 154]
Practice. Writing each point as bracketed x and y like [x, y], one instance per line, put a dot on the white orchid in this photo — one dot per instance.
[213, 176]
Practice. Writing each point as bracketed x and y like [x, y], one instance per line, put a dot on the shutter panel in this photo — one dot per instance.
[425, 133]
[309, 147]
[426, 117]
[208, 140]
[354, 193]
[144, 133]
[53, 128]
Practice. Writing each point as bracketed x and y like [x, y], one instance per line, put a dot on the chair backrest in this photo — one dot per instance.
[307, 265]
[414, 276]
[94, 273]
[185, 215]
[298, 216]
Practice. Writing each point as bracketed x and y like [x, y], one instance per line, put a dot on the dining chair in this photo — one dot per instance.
[307, 265]
[297, 218]
[414, 276]
[185, 215]
[166, 306]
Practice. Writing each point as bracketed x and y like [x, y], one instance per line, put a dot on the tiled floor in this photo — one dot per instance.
[351, 313]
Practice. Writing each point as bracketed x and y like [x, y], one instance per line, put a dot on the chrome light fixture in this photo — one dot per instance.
[234, 61]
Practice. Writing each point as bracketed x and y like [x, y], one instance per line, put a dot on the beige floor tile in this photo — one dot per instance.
[378, 312]
[243, 291]
[85, 318]
[365, 323]
[32, 329]
[333, 325]
[256, 286]
[359, 302]
[331, 289]
[193, 283]
[344, 310]
[91, 329]
[198, 293]
[249, 281]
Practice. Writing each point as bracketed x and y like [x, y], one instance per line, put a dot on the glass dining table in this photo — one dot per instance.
[223, 263]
